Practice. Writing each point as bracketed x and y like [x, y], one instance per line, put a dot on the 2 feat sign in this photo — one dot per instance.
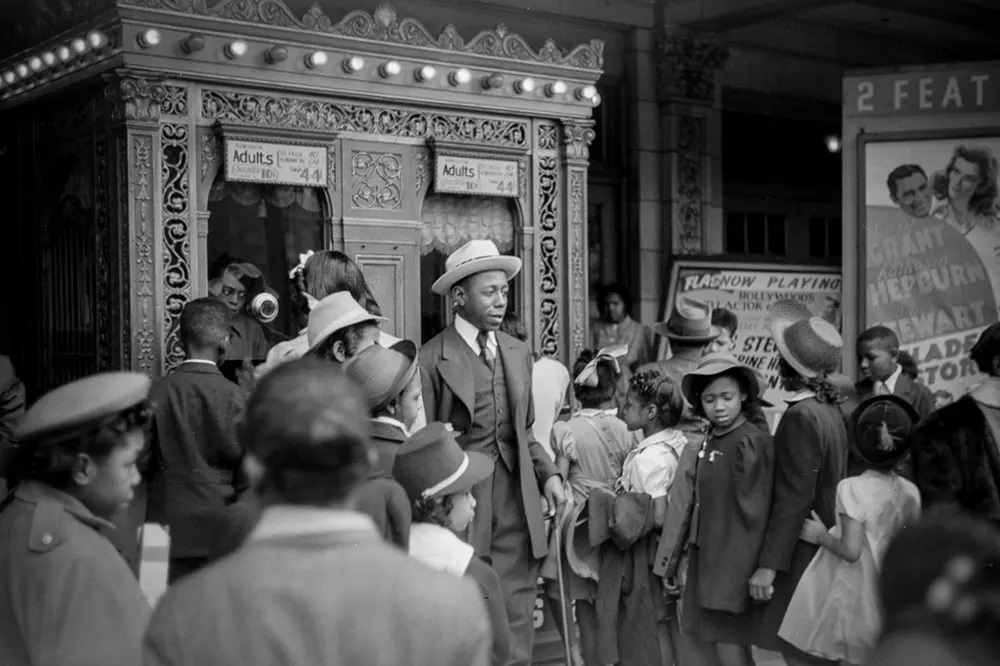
[919, 93]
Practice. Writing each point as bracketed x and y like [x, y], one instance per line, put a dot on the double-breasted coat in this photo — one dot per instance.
[449, 396]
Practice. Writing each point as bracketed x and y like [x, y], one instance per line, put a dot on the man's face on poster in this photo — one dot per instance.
[913, 195]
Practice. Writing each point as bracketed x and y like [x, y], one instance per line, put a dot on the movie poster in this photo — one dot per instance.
[932, 249]
[748, 290]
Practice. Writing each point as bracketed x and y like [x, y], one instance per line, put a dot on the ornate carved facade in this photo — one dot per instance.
[163, 149]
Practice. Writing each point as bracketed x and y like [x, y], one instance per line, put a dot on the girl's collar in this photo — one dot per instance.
[740, 420]
[670, 436]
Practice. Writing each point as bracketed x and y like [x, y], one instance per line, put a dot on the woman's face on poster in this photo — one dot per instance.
[963, 179]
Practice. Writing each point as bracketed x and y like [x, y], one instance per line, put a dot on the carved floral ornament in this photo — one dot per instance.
[577, 139]
[688, 62]
[384, 26]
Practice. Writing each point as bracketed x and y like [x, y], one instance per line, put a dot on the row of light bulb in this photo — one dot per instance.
[238, 48]
[75, 48]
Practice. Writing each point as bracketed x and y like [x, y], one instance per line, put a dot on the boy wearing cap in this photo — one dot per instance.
[195, 455]
[479, 380]
[68, 597]
[314, 584]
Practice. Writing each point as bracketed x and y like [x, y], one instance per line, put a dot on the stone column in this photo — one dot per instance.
[136, 112]
[691, 124]
[576, 139]
[646, 241]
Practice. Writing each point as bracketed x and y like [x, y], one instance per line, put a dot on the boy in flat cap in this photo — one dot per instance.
[314, 583]
[68, 597]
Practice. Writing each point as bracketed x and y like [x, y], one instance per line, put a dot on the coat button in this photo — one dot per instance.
[46, 539]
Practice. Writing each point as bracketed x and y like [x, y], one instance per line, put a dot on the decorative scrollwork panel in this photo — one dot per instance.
[174, 165]
[327, 116]
[578, 255]
[144, 324]
[547, 179]
[377, 180]
[105, 250]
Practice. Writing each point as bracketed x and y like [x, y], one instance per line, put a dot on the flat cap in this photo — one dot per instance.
[81, 403]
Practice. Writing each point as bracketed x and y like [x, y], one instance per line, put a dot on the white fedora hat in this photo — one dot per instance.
[335, 312]
[474, 257]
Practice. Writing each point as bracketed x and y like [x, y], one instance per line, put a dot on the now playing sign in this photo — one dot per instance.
[469, 175]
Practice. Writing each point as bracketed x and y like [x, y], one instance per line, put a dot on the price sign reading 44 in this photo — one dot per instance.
[275, 163]
[469, 175]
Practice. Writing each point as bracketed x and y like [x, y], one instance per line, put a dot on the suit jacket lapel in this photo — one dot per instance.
[513, 374]
[454, 368]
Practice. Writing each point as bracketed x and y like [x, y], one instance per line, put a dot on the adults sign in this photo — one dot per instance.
[470, 175]
[276, 163]
[747, 290]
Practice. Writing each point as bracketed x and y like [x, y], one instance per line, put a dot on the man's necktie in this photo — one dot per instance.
[483, 339]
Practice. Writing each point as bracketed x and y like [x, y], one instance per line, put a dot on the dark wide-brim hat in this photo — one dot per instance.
[690, 321]
[383, 373]
[432, 464]
[811, 345]
[82, 405]
[716, 364]
[882, 425]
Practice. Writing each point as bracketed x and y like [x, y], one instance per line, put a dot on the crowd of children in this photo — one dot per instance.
[685, 529]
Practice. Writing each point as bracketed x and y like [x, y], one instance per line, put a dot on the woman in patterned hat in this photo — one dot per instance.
[810, 454]
[67, 596]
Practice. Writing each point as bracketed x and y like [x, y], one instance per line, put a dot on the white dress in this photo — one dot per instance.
[834, 613]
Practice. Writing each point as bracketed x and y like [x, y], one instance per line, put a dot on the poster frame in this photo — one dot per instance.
[859, 226]
[708, 263]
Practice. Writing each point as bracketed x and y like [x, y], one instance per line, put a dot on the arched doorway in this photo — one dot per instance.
[268, 226]
[450, 221]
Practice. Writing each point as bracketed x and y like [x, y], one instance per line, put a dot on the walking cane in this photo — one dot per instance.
[565, 609]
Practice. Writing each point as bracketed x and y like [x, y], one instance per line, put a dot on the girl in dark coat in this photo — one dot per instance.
[810, 453]
[734, 482]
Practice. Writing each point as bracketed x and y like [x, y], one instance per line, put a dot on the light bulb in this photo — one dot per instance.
[96, 39]
[555, 88]
[236, 49]
[49, 58]
[596, 99]
[36, 64]
[78, 45]
[353, 64]
[586, 93]
[493, 81]
[524, 85]
[425, 73]
[9, 77]
[148, 38]
[460, 77]
[22, 70]
[315, 59]
[832, 143]
[389, 69]
[64, 54]
[192, 44]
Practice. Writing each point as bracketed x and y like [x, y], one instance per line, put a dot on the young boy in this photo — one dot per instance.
[727, 322]
[195, 453]
[878, 364]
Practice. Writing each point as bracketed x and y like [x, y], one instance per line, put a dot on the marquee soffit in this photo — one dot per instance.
[384, 26]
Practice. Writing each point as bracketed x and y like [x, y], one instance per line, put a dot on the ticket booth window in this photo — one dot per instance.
[450, 221]
[269, 226]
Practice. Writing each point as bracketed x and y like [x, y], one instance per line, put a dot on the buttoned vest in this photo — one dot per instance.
[492, 432]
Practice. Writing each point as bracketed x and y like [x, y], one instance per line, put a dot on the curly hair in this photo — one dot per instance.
[607, 380]
[653, 388]
[984, 353]
[433, 510]
[821, 385]
[51, 460]
[984, 200]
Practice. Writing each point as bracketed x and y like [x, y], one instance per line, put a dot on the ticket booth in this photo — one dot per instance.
[922, 213]
[177, 133]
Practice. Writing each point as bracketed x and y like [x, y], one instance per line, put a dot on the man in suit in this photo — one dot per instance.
[314, 584]
[195, 455]
[479, 380]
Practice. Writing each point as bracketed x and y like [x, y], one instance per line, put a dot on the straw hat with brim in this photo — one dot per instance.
[383, 373]
[690, 321]
[432, 464]
[882, 425]
[476, 256]
[811, 345]
[71, 410]
[713, 365]
[335, 312]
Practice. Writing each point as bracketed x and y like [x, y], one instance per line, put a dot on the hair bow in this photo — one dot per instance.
[588, 376]
[301, 266]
